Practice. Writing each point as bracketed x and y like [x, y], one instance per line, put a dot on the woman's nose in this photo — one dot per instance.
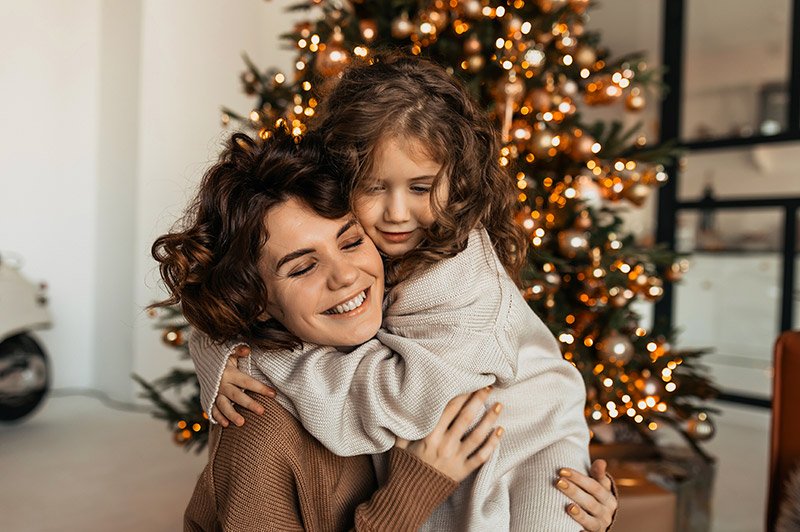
[342, 273]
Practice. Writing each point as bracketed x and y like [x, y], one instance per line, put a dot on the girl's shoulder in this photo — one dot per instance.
[474, 273]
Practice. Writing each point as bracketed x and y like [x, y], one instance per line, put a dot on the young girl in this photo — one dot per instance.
[427, 187]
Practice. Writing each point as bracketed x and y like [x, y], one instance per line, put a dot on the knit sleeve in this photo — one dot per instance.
[412, 491]
[254, 481]
[209, 359]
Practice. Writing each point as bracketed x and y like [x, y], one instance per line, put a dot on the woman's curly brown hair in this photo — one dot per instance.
[398, 97]
[209, 262]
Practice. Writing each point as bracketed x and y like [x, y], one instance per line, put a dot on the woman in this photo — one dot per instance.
[237, 266]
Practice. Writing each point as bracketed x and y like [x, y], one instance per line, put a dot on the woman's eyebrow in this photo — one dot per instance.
[293, 255]
[345, 227]
[300, 252]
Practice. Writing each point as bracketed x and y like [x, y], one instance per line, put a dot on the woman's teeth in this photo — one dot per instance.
[348, 306]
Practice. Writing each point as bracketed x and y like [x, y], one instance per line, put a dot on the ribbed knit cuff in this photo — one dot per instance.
[412, 492]
[209, 360]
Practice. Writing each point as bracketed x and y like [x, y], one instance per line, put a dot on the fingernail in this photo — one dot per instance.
[573, 509]
[562, 484]
[497, 408]
[500, 431]
[239, 422]
[565, 473]
[260, 411]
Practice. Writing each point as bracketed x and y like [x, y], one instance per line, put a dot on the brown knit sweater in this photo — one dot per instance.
[272, 475]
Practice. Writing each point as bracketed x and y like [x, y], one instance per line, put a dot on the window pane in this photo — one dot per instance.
[736, 69]
[766, 170]
[730, 301]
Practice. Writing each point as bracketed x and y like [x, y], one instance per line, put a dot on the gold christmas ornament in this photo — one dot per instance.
[637, 193]
[438, 19]
[334, 57]
[583, 221]
[173, 337]
[472, 8]
[472, 45]
[539, 100]
[541, 142]
[369, 30]
[635, 100]
[573, 242]
[511, 87]
[585, 56]
[402, 27]
[475, 63]
[616, 348]
[581, 147]
[700, 427]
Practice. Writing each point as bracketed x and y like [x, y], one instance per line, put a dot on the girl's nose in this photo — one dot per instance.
[396, 210]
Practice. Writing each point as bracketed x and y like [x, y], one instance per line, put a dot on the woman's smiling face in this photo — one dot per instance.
[324, 277]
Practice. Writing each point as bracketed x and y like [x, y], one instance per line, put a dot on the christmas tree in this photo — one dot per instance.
[533, 66]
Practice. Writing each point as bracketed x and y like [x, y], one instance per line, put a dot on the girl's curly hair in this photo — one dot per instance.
[395, 97]
[209, 262]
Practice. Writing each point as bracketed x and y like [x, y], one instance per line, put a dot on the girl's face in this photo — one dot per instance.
[395, 209]
[324, 278]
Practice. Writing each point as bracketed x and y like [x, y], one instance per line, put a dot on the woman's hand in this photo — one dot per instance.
[444, 448]
[595, 504]
[231, 388]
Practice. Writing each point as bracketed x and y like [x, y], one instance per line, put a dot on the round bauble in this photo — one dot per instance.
[635, 100]
[511, 87]
[585, 56]
[615, 349]
[541, 142]
[700, 427]
[472, 45]
[539, 100]
[173, 337]
[581, 147]
[369, 29]
[332, 59]
[402, 27]
[475, 63]
[573, 242]
[583, 221]
[472, 8]
[438, 19]
[637, 193]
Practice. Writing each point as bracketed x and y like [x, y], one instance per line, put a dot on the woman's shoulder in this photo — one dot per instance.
[275, 430]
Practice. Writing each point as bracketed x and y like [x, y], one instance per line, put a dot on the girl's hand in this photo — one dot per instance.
[444, 448]
[231, 388]
[596, 504]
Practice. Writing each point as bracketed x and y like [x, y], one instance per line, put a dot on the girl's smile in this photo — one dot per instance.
[395, 208]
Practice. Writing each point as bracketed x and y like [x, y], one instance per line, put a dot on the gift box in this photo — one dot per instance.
[655, 481]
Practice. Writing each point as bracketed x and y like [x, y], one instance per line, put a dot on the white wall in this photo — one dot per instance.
[111, 114]
[48, 171]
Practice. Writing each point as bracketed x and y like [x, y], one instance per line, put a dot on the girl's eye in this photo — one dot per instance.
[354, 244]
[304, 271]
[421, 189]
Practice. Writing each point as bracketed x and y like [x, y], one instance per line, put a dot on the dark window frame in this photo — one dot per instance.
[674, 31]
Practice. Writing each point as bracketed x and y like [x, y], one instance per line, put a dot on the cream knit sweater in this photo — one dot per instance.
[460, 325]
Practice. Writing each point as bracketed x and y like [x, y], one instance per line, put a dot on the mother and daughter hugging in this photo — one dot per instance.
[359, 283]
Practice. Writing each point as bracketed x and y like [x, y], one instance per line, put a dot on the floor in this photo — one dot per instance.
[77, 465]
